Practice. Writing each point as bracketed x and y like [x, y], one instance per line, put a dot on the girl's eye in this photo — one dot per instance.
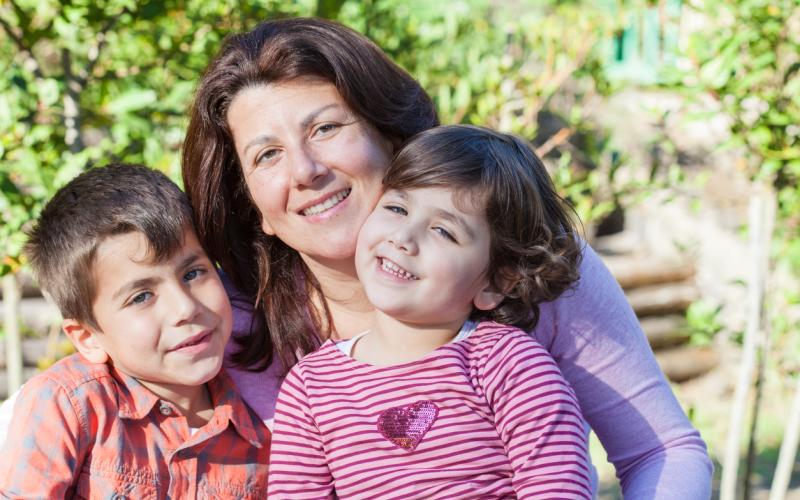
[140, 298]
[396, 209]
[445, 234]
[193, 274]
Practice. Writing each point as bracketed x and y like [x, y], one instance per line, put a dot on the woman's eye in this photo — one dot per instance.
[140, 298]
[266, 155]
[326, 128]
[396, 209]
[193, 274]
[445, 234]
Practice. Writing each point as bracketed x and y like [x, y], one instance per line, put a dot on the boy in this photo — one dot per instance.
[143, 410]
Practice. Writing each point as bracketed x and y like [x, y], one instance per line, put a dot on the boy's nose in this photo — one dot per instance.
[186, 307]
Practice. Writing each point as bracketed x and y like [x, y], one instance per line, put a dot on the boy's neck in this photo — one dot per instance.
[194, 402]
[391, 341]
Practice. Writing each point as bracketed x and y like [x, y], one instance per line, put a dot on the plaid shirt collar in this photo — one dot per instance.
[136, 402]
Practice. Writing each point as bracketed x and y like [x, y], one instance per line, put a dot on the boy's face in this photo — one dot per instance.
[163, 323]
[422, 259]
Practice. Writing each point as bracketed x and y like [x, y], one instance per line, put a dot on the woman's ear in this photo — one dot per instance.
[85, 341]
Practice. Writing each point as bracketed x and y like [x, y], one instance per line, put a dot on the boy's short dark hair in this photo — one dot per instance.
[99, 203]
[535, 251]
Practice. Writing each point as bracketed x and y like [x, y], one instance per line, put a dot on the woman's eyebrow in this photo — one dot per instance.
[308, 120]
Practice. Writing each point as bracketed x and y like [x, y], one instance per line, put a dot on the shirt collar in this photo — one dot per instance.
[136, 402]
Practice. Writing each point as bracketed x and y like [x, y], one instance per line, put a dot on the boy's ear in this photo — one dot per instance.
[85, 341]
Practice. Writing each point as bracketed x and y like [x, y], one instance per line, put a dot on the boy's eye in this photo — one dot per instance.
[396, 209]
[445, 234]
[193, 274]
[141, 298]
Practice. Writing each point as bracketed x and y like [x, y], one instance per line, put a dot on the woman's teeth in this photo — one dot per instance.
[392, 268]
[327, 204]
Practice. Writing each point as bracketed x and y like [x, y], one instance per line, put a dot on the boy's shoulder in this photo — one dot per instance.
[73, 372]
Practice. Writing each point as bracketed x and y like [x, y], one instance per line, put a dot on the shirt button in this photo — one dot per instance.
[164, 408]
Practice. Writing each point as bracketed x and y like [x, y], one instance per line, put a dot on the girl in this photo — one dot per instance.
[445, 395]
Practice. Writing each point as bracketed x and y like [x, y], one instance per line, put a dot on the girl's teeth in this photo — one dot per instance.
[392, 268]
[327, 204]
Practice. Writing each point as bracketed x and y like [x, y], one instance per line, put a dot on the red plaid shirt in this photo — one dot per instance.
[87, 430]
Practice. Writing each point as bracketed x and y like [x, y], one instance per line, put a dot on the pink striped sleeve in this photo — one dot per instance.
[298, 468]
[538, 419]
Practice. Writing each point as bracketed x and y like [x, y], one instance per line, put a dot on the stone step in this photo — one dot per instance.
[668, 298]
[684, 363]
[633, 271]
[665, 331]
[37, 315]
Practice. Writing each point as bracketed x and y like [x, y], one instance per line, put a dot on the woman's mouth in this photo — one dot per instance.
[395, 270]
[327, 204]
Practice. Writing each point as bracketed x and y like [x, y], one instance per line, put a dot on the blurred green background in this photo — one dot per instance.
[86, 82]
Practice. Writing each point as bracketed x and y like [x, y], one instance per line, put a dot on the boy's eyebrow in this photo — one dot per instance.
[152, 280]
[133, 285]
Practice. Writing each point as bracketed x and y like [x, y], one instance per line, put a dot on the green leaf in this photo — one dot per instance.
[133, 100]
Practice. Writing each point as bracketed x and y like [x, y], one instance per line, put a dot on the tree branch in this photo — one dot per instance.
[30, 59]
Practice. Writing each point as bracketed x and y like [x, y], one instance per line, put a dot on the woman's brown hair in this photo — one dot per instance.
[534, 252]
[228, 224]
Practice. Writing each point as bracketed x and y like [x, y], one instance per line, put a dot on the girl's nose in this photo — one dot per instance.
[403, 239]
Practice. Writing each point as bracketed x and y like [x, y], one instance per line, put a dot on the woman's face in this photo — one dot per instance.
[312, 166]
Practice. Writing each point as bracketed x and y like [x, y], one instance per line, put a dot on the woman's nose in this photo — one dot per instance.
[306, 167]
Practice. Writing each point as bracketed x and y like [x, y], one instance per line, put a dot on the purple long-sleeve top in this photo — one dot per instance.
[595, 338]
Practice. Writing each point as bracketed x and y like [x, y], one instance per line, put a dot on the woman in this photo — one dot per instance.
[292, 128]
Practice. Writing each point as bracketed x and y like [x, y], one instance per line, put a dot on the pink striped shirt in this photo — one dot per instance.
[486, 417]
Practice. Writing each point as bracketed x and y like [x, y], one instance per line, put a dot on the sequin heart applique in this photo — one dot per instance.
[406, 425]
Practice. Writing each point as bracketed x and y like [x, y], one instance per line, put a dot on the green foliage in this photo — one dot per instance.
[749, 59]
[702, 321]
[533, 70]
[89, 82]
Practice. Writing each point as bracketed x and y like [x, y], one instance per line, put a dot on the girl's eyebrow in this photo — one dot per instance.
[457, 220]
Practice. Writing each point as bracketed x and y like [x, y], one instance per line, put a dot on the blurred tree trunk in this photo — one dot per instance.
[11, 306]
[783, 469]
[761, 223]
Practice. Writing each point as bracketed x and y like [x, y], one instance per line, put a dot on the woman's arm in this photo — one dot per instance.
[600, 348]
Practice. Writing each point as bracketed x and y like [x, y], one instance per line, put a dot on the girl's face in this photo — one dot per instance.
[422, 258]
[312, 167]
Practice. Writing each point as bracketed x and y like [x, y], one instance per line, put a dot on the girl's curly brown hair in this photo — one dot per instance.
[535, 250]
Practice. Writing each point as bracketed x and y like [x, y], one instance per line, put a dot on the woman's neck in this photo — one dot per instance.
[350, 310]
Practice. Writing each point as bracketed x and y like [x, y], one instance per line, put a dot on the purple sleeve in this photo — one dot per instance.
[258, 389]
[596, 340]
